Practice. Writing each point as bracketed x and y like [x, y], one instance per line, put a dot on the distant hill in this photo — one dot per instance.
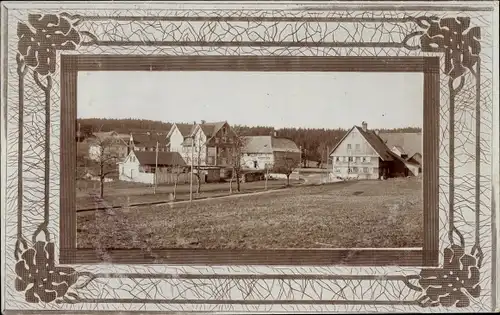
[315, 142]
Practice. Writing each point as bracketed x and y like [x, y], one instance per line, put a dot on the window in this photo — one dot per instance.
[355, 170]
[337, 170]
[365, 170]
[368, 159]
[350, 159]
[349, 146]
[337, 158]
[358, 147]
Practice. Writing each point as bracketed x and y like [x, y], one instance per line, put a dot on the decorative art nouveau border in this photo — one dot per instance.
[36, 38]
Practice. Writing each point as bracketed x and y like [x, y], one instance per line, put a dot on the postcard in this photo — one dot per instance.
[248, 157]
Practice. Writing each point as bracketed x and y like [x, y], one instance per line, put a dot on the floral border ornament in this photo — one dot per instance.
[454, 283]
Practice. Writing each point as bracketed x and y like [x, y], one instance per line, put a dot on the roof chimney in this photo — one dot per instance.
[203, 121]
[377, 132]
[365, 126]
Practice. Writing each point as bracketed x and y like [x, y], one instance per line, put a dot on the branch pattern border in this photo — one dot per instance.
[457, 283]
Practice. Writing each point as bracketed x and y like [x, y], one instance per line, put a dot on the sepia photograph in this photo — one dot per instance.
[249, 157]
[249, 160]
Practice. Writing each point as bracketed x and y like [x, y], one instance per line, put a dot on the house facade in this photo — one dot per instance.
[269, 152]
[176, 136]
[209, 144]
[141, 166]
[111, 144]
[362, 154]
[355, 157]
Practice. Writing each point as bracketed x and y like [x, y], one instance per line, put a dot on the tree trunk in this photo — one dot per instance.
[176, 179]
[288, 179]
[231, 184]
[101, 186]
[238, 181]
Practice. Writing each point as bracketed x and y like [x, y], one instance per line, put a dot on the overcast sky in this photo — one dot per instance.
[277, 99]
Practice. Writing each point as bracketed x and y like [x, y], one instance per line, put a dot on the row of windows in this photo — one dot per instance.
[365, 170]
[357, 148]
[353, 159]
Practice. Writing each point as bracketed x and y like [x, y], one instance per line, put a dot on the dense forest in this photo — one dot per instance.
[315, 142]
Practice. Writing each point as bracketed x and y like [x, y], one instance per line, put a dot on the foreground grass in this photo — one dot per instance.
[353, 214]
[126, 195]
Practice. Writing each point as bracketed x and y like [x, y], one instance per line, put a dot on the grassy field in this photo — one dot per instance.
[348, 214]
[124, 193]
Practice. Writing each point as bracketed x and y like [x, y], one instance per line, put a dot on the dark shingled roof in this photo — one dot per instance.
[185, 129]
[164, 158]
[411, 142]
[145, 140]
[374, 140]
[210, 129]
[268, 144]
[377, 143]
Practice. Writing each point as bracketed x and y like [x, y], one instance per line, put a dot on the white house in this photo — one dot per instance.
[176, 136]
[213, 144]
[266, 152]
[140, 166]
[362, 154]
[112, 144]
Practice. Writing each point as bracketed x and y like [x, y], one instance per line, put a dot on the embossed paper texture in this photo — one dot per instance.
[38, 36]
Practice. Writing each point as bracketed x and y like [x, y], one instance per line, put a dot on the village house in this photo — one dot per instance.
[208, 146]
[362, 154]
[140, 166]
[176, 136]
[267, 152]
[111, 144]
[407, 145]
[147, 141]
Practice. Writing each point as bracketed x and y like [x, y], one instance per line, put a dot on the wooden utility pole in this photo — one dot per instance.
[156, 169]
[192, 169]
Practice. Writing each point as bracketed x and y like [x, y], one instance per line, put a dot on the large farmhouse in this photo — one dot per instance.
[362, 154]
[268, 152]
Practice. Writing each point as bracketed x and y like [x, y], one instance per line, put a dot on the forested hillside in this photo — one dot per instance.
[315, 143]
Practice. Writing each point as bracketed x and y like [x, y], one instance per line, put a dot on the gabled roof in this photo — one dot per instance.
[148, 140]
[373, 140]
[411, 142]
[124, 138]
[164, 158]
[268, 144]
[185, 129]
[400, 149]
[211, 129]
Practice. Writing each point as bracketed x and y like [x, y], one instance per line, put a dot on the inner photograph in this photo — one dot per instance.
[249, 160]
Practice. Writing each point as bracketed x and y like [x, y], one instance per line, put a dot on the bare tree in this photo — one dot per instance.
[237, 145]
[194, 154]
[286, 163]
[104, 162]
[177, 170]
